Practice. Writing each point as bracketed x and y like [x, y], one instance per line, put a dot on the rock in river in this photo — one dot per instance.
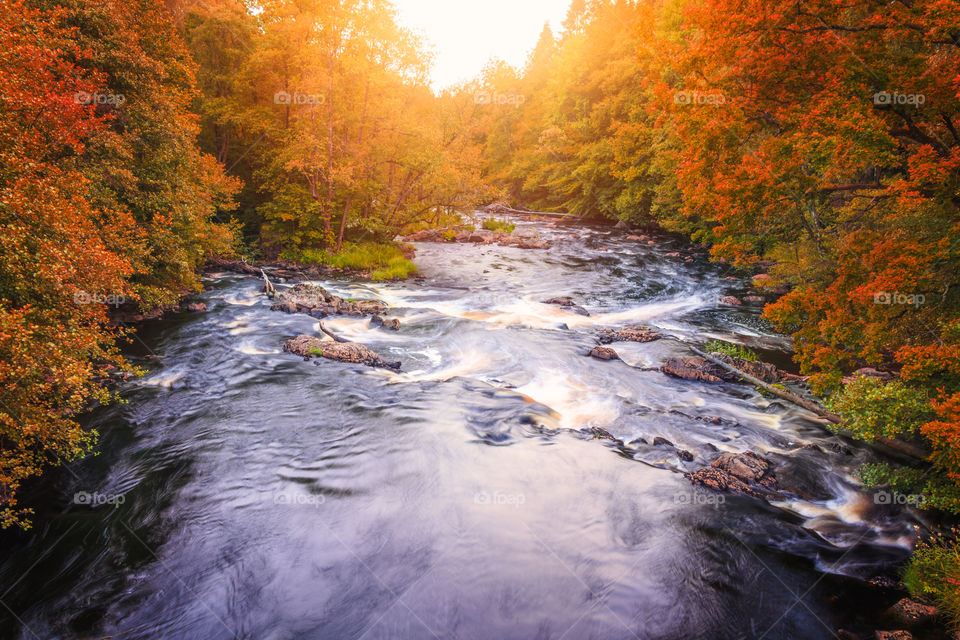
[701, 369]
[746, 473]
[310, 346]
[630, 333]
[603, 353]
[318, 302]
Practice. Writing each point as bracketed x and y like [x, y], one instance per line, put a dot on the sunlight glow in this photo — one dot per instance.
[465, 35]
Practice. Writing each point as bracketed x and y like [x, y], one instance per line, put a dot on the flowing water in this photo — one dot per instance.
[244, 493]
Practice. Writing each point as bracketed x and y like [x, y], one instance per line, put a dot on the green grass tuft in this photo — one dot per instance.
[730, 349]
[498, 225]
[383, 261]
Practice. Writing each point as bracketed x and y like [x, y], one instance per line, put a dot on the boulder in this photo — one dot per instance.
[631, 333]
[732, 300]
[310, 346]
[746, 473]
[195, 307]
[603, 353]
[318, 302]
[661, 441]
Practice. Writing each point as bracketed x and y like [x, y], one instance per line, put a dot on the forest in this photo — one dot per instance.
[811, 148]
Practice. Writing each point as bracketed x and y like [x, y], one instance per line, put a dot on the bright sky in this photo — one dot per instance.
[465, 34]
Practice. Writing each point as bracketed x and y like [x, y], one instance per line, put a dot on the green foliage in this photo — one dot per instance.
[732, 350]
[491, 224]
[382, 261]
[448, 235]
[437, 220]
[872, 408]
[934, 572]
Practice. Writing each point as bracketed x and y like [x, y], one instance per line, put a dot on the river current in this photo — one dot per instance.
[241, 492]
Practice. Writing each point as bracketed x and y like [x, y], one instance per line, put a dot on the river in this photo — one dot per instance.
[241, 492]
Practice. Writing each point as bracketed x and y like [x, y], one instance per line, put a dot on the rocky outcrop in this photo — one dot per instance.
[746, 473]
[631, 333]
[310, 346]
[480, 236]
[706, 371]
[318, 302]
[603, 353]
[567, 303]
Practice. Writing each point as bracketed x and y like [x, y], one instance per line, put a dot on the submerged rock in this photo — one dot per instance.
[310, 346]
[387, 323]
[318, 302]
[567, 303]
[630, 333]
[746, 473]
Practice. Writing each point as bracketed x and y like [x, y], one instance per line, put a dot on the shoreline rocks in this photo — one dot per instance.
[311, 346]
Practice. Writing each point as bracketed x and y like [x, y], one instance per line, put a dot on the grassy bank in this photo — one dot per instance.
[381, 261]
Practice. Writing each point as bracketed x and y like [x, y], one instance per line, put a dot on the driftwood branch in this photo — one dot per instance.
[903, 447]
[267, 286]
[330, 333]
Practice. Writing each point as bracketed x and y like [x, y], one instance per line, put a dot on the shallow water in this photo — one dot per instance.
[244, 493]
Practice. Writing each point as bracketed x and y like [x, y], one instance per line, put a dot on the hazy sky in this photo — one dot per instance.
[465, 34]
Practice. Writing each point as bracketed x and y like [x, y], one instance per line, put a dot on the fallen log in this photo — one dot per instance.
[898, 445]
[330, 333]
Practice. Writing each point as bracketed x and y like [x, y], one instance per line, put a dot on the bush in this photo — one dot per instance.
[934, 572]
[730, 349]
[383, 261]
[498, 225]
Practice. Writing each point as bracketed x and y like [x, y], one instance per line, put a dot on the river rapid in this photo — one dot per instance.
[241, 492]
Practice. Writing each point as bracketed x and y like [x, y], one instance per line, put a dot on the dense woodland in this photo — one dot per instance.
[815, 143]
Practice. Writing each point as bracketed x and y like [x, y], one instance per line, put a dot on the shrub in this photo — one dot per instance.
[934, 572]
